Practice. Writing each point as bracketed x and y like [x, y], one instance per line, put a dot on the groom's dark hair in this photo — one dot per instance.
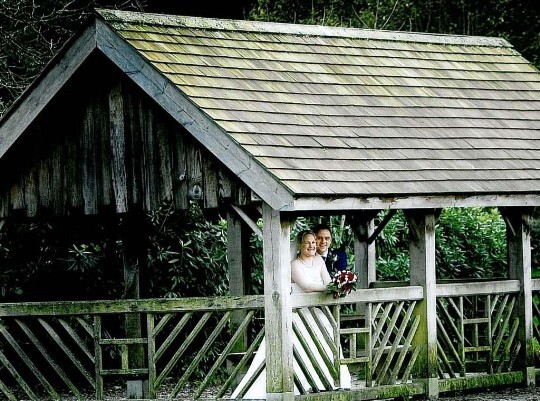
[320, 227]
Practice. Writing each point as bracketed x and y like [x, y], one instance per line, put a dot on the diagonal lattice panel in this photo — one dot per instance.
[44, 356]
[451, 362]
[536, 315]
[194, 347]
[315, 350]
[393, 326]
[476, 334]
[505, 325]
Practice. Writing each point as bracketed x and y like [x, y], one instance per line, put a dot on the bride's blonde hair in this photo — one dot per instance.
[301, 235]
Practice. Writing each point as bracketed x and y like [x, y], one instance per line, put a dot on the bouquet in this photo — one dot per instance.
[342, 283]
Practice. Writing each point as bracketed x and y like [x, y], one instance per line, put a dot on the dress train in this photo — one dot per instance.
[303, 367]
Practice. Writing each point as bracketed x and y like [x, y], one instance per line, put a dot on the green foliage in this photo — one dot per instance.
[58, 259]
[392, 249]
[84, 257]
[187, 255]
[256, 263]
[470, 243]
[535, 243]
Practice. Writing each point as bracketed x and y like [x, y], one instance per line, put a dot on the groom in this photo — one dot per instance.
[335, 259]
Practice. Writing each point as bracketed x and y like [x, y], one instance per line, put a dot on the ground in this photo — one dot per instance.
[117, 393]
[507, 394]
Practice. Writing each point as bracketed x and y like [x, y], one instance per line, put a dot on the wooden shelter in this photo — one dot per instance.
[279, 121]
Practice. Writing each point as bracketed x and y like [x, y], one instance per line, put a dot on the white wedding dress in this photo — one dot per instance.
[305, 369]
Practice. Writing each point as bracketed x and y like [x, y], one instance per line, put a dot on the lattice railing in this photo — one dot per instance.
[194, 347]
[477, 334]
[393, 328]
[378, 345]
[536, 324]
[52, 351]
[315, 328]
[46, 355]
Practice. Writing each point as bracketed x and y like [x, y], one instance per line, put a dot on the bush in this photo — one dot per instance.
[470, 243]
[187, 255]
[73, 258]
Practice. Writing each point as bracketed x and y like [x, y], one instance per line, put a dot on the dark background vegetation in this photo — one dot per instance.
[186, 252]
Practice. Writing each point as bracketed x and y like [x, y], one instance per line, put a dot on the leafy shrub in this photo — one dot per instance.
[187, 255]
[470, 243]
[59, 259]
[392, 249]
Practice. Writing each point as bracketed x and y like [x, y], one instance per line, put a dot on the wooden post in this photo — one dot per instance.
[364, 264]
[237, 244]
[422, 265]
[134, 254]
[518, 238]
[277, 306]
[364, 251]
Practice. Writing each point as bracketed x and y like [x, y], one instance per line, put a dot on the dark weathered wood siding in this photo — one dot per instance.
[107, 145]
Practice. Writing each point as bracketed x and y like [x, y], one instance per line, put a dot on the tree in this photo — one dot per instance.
[32, 32]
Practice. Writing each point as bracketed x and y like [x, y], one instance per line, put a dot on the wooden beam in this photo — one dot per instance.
[253, 225]
[409, 201]
[90, 133]
[312, 30]
[133, 236]
[237, 247]
[381, 226]
[518, 237]
[118, 148]
[161, 305]
[422, 264]
[374, 295]
[364, 250]
[481, 288]
[277, 305]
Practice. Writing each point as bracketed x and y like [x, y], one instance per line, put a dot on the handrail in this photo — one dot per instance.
[159, 305]
[412, 293]
[200, 304]
[478, 288]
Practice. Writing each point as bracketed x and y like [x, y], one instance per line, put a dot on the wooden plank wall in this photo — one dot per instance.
[113, 148]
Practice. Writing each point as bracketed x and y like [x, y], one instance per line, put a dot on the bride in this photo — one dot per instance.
[311, 374]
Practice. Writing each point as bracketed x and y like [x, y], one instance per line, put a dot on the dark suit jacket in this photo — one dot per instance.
[336, 260]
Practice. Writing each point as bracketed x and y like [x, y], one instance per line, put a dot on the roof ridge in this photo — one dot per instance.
[296, 29]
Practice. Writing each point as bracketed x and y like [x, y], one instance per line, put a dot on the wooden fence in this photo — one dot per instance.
[190, 347]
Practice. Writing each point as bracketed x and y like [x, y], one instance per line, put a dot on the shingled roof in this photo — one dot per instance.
[340, 113]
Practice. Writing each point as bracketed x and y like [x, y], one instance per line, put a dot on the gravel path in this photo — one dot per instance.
[117, 393]
[506, 394]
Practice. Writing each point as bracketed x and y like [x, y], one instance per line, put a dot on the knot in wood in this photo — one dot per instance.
[196, 192]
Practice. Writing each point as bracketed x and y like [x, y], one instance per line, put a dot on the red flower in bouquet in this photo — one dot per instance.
[343, 282]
